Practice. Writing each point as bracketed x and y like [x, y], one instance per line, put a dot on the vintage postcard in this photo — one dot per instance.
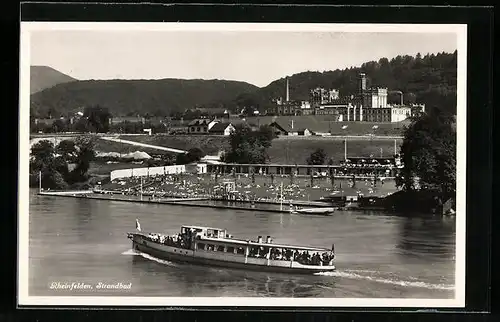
[214, 164]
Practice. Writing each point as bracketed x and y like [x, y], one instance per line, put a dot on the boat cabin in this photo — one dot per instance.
[209, 232]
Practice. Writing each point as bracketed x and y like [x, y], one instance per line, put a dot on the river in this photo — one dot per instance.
[378, 255]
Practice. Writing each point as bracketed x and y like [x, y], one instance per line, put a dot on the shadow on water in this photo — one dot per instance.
[82, 212]
[432, 237]
[198, 280]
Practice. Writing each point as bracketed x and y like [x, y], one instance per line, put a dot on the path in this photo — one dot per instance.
[143, 145]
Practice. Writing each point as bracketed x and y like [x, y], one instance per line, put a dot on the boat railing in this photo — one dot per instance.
[302, 257]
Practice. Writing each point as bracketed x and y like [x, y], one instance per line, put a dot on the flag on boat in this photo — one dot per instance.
[137, 225]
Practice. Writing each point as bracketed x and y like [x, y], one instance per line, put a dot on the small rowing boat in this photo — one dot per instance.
[326, 211]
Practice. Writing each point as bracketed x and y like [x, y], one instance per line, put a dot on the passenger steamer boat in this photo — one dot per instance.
[215, 247]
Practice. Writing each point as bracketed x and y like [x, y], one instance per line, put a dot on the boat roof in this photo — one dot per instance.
[263, 244]
[203, 227]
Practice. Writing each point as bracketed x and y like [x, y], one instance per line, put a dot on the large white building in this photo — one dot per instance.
[369, 105]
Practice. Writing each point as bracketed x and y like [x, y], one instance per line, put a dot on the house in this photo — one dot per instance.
[222, 129]
[305, 132]
[278, 129]
[201, 126]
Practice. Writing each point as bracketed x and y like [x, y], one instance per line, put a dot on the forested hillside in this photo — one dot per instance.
[431, 79]
[132, 97]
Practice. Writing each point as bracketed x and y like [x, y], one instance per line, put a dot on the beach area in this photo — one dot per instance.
[244, 188]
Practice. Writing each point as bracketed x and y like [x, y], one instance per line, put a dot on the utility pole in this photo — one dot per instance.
[281, 190]
[141, 188]
[345, 148]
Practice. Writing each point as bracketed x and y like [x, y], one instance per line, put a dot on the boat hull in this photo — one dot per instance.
[325, 213]
[180, 255]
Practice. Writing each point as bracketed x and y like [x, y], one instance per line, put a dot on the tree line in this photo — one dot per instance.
[61, 165]
[430, 79]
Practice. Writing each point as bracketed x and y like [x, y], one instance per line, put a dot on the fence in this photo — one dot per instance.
[144, 172]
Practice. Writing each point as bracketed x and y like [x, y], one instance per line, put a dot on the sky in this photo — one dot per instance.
[256, 57]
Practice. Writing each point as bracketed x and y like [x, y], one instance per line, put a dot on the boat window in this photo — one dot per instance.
[210, 247]
[230, 249]
[220, 248]
[240, 250]
[201, 246]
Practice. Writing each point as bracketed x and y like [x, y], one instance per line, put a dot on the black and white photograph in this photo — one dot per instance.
[238, 164]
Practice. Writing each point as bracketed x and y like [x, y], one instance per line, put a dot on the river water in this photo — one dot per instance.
[378, 255]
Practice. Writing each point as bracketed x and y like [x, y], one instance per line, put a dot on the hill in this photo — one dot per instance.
[431, 79]
[42, 77]
[129, 97]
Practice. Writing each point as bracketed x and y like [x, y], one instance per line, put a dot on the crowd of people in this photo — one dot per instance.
[179, 240]
[302, 257]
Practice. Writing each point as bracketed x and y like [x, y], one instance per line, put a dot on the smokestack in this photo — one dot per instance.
[259, 239]
[287, 90]
[268, 239]
[362, 83]
[401, 98]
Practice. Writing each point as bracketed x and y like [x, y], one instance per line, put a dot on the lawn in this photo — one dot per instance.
[286, 150]
[296, 150]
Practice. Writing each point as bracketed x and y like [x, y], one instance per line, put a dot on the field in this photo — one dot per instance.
[289, 150]
[296, 150]
[211, 145]
[327, 124]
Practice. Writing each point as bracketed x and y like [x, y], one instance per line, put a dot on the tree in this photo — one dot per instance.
[81, 125]
[193, 155]
[67, 150]
[42, 155]
[85, 154]
[53, 161]
[59, 126]
[98, 118]
[249, 146]
[318, 157]
[428, 154]
[44, 161]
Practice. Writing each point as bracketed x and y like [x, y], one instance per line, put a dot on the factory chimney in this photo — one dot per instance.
[400, 94]
[287, 90]
[362, 83]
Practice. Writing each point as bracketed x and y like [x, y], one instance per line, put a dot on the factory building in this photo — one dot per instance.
[368, 105]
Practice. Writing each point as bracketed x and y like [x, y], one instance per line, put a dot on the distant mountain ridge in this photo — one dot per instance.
[429, 79]
[43, 77]
[128, 97]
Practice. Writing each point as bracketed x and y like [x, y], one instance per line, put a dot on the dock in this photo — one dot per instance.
[186, 202]
[164, 201]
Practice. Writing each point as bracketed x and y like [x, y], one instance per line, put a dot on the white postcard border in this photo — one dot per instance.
[23, 194]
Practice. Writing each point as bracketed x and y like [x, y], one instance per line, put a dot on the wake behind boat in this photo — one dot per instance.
[215, 247]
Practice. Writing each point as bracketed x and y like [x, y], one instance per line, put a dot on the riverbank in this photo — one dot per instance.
[186, 202]
[273, 206]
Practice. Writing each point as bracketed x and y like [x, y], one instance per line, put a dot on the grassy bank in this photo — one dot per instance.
[287, 150]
